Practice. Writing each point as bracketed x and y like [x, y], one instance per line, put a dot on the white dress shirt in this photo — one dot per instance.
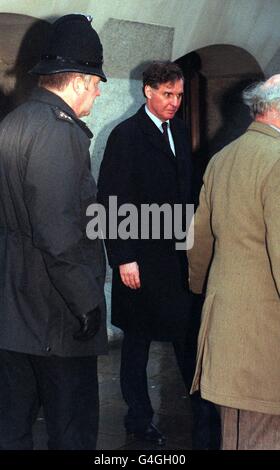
[158, 123]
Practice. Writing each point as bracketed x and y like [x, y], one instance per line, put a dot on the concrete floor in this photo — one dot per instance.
[167, 392]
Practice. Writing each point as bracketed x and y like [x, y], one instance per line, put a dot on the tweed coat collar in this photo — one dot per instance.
[263, 129]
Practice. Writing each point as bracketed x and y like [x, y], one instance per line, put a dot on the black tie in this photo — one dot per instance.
[165, 133]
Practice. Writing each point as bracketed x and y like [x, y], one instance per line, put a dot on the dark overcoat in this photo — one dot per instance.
[50, 273]
[140, 168]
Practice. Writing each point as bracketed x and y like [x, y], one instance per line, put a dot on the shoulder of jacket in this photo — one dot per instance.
[179, 122]
[130, 121]
[123, 129]
[62, 116]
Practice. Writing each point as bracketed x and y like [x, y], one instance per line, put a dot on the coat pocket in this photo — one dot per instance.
[206, 312]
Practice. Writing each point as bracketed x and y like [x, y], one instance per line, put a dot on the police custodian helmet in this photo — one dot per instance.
[73, 46]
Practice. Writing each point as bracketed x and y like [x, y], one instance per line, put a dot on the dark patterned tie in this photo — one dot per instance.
[165, 133]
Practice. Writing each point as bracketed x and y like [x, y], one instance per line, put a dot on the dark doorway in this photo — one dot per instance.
[20, 48]
[213, 108]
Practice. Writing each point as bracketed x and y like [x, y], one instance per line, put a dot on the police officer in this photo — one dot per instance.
[52, 306]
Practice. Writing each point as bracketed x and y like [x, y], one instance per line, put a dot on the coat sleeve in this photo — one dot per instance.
[52, 191]
[200, 255]
[271, 205]
[116, 180]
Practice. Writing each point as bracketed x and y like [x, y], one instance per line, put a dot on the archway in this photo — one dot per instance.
[20, 48]
[215, 78]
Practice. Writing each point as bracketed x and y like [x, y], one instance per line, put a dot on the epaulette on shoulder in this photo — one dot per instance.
[62, 116]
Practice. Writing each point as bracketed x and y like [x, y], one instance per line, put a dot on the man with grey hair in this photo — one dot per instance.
[237, 241]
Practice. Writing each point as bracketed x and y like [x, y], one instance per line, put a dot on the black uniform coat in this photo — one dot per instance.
[140, 168]
[50, 273]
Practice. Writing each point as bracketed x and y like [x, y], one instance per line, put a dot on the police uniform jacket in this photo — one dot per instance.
[50, 272]
[139, 168]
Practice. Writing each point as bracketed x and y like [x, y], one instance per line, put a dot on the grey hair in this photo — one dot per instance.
[262, 97]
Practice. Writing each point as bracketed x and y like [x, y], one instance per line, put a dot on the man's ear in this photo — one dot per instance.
[77, 84]
[148, 91]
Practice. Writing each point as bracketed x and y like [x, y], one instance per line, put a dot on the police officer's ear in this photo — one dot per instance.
[78, 84]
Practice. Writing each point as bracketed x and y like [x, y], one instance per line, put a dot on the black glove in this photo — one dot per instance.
[90, 324]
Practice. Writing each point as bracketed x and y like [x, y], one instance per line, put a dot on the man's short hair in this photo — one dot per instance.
[161, 72]
[59, 81]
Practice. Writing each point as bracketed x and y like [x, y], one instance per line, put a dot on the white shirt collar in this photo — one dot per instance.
[274, 127]
[155, 119]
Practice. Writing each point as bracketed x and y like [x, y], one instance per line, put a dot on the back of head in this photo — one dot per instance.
[159, 72]
[263, 97]
[73, 46]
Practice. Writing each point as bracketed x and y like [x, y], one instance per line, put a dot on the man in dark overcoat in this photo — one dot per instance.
[145, 163]
[52, 306]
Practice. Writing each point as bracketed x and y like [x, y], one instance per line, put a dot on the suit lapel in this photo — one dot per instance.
[183, 161]
[179, 163]
[178, 138]
[154, 135]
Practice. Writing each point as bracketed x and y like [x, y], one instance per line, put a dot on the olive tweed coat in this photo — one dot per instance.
[237, 226]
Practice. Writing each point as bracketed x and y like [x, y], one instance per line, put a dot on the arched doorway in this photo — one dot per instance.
[215, 78]
[20, 48]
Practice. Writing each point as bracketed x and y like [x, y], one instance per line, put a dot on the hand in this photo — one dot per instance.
[89, 325]
[130, 276]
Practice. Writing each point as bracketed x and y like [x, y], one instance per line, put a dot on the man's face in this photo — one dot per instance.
[88, 95]
[165, 100]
